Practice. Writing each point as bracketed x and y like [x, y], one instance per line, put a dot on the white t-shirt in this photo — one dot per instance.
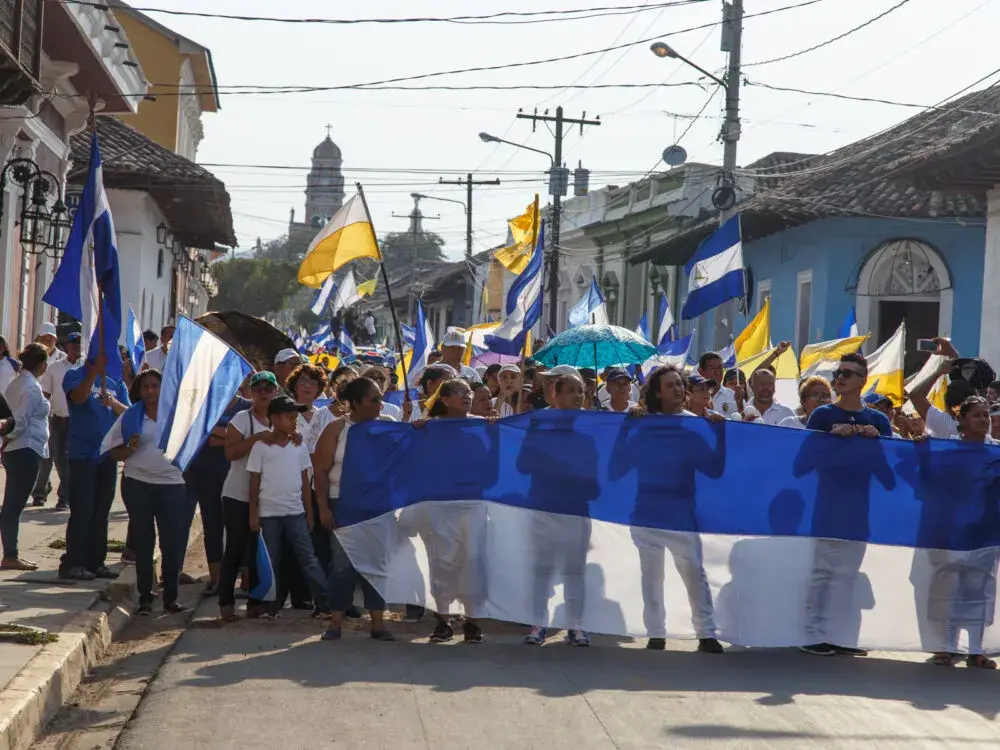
[280, 468]
[392, 411]
[52, 380]
[629, 405]
[775, 414]
[147, 464]
[155, 358]
[793, 421]
[237, 484]
[940, 424]
[313, 428]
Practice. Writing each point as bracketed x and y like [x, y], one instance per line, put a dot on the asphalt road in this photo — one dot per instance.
[276, 684]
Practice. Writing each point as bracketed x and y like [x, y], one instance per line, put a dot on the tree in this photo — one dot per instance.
[256, 286]
[400, 248]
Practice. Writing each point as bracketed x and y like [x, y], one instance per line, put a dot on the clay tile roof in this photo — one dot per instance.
[194, 202]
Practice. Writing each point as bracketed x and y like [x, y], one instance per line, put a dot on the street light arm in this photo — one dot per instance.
[494, 139]
[447, 200]
[663, 50]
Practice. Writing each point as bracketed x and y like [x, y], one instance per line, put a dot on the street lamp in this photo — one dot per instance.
[664, 50]
[487, 138]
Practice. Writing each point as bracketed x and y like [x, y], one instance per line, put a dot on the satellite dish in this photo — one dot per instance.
[674, 156]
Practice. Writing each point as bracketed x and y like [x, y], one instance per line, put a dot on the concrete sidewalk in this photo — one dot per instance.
[35, 680]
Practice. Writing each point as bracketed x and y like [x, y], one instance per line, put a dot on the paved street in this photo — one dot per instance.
[276, 684]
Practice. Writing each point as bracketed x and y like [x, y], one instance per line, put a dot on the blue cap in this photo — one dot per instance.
[696, 379]
[73, 336]
[873, 398]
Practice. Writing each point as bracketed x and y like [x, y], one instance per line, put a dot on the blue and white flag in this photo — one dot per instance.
[591, 309]
[849, 328]
[345, 346]
[409, 333]
[642, 330]
[86, 285]
[323, 296]
[200, 377]
[423, 345]
[266, 589]
[776, 537]
[524, 304]
[666, 322]
[133, 341]
[715, 272]
[321, 333]
[347, 293]
[300, 343]
[671, 353]
[728, 355]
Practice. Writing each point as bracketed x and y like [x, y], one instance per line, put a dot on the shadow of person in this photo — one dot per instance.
[954, 569]
[561, 462]
[837, 591]
[665, 514]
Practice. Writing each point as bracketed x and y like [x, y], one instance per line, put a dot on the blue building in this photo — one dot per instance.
[822, 234]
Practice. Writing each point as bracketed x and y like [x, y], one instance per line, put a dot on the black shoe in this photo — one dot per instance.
[308, 604]
[321, 614]
[353, 613]
[77, 574]
[818, 649]
[472, 633]
[145, 610]
[105, 572]
[413, 613]
[174, 607]
[847, 651]
[656, 644]
[443, 632]
[62, 505]
[38, 502]
[710, 646]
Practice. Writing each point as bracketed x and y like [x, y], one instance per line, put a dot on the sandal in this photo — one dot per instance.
[943, 659]
[17, 564]
[979, 661]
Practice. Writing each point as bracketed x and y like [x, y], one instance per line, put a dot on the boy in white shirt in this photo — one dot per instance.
[280, 497]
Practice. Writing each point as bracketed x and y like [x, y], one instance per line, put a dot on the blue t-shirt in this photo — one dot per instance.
[825, 417]
[90, 421]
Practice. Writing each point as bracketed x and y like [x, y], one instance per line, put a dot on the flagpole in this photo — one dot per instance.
[388, 294]
[92, 120]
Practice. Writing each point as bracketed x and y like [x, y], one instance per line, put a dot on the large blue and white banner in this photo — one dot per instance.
[657, 526]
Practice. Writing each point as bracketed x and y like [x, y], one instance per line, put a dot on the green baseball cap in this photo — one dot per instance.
[264, 377]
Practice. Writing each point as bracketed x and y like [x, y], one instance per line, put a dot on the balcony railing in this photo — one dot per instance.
[20, 49]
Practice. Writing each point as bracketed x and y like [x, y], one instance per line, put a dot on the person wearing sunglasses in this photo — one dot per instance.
[849, 415]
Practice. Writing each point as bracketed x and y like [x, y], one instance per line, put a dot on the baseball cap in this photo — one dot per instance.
[873, 398]
[561, 371]
[74, 336]
[588, 373]
[453, 337]
[286, 354]
[616, 373]
[47, 329]
[283, 404]
[263, 378]
[510, 368]
[696, 379]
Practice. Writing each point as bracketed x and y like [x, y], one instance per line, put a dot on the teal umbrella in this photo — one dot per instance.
[596, 347]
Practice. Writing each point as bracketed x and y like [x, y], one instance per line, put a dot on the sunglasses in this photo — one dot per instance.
[846, 374]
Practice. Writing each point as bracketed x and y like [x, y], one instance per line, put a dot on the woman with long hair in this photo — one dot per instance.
[363, 400]
[153, 490]
[25, 444]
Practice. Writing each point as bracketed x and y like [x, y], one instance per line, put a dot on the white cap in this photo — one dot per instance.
[510, 368]
[47, 329]
[562, 371]
[286, 354]
[453, 337]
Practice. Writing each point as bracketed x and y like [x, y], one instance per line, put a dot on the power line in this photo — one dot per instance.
[513, 17]
[837, 38]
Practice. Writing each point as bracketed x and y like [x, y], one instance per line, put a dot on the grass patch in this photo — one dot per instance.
[26, 635]
[114, 545]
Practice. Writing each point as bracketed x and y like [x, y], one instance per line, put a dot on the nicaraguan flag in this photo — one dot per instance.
[423, 344]
[266, 589]
[322, 332]
[345, 346]
[524, 304]
[671, 353]
[666, 319]
[89, 269]
[323, 296]
[715, 273]
[849, 328]
[642, 330]
[591, 309]
[200, 377]
[728, 355]
[409, 333]
[133, 341]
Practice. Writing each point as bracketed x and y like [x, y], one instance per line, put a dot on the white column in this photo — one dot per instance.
[989, 320]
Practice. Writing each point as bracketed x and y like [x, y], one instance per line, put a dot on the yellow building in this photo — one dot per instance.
[182, 82]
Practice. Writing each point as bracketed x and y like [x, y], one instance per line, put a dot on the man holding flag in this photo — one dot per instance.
[86, 288]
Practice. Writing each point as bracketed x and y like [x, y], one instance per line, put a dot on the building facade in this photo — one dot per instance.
[324, 195]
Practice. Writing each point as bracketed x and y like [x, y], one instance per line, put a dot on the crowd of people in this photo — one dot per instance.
[274, 465]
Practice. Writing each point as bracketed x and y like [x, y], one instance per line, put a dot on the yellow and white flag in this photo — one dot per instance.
[885, 367]
[786, 367]
[756, 337]
[349, 235]
[822, 358]
[523, 229]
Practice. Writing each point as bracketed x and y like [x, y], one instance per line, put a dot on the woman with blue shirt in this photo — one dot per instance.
[153, 490]
[24, 448]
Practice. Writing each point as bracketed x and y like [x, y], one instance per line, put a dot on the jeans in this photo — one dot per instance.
[155, 508]
[22, 469]
[91, 492]
[208, 492]
[188, 506]
[344, 577]
[240, 543]
[276, 530]
[58, 457]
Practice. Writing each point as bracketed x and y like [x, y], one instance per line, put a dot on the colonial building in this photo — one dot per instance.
[324, 195]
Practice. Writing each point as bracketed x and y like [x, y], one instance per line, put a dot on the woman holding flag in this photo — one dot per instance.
[153, 490]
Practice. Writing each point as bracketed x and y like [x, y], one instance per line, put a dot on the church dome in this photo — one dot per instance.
[326, 150]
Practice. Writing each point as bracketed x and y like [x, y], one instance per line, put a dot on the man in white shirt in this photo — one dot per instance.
[619, 386]
[46, 336]
[940, 424]
[452, 350]
[51, 383]
[156, 357]
[762, 383]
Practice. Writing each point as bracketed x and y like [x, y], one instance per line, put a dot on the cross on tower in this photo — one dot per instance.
[328, 129]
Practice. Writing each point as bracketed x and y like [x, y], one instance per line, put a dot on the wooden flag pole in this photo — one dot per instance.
[388, 293]
[92, 121]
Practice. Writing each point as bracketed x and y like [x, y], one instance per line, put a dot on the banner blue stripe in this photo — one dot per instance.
[684, 474]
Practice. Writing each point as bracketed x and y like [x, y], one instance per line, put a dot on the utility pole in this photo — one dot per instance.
[733, 23]
[558, 187]
[416, 229]
[469, 184]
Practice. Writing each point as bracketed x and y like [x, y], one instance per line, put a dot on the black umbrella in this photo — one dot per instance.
[257, 340]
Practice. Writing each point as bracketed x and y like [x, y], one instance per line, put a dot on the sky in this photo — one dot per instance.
[399, 142]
